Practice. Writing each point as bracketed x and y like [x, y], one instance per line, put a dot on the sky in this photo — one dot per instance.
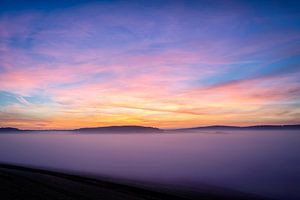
[166, 64]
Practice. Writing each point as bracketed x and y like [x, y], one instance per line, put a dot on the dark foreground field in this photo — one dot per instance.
[18, 182]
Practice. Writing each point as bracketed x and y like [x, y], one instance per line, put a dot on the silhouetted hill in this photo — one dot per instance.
[289, 127]
[258, 127]
[119, 129]
[8, 129]
[144, 129]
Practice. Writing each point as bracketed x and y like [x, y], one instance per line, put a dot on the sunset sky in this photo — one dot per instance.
[168, 64]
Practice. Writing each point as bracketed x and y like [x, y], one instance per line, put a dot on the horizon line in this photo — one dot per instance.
[181, 128]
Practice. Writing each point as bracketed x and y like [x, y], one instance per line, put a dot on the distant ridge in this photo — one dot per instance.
[145, 129]
[257, 127]
[8, 129]
[140, 129]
